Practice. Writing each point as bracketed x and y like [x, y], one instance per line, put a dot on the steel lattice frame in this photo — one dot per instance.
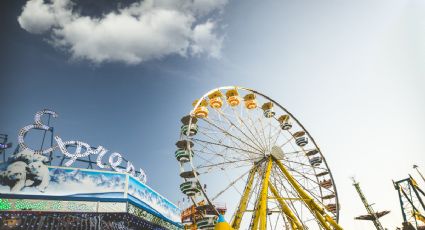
[243, 155]
[412, 201]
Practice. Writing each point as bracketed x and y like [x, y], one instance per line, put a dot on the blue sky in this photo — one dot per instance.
[352, 72]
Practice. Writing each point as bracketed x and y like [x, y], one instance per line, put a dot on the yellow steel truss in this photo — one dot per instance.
[260, 217]
[325, 220]
[244, 200]
[419, 216]
[260, 212]
[294, 222]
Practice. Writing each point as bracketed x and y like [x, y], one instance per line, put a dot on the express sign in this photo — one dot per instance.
[82, 149]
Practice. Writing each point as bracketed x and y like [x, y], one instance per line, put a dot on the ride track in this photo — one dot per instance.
[267, 156]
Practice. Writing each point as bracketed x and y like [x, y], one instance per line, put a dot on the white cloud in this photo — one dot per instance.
[143, 31]
[205, 41]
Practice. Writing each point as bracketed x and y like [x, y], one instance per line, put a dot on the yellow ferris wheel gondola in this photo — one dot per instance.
[216, 99]
[201, 111]
[250, 102]
[233, 98]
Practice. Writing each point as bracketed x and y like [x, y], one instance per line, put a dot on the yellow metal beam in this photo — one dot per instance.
[285, 198]
[244, 200]
[295, 223]
[322, 220]
[317, 210]
[256, 215]
[419, 216]
[260, 217]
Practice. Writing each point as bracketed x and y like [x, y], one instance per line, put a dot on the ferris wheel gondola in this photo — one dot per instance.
[256, 156]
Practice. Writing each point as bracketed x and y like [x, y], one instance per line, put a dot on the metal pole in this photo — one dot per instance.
[4, 136]
[422, 176]
[368, 207]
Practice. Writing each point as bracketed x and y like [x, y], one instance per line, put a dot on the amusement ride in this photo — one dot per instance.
[241, 147]
[412, 203]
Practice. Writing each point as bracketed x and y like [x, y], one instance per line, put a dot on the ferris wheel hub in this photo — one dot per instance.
[277, 152]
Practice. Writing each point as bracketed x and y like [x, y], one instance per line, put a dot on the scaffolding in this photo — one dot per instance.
[412, 205]
[372, 215]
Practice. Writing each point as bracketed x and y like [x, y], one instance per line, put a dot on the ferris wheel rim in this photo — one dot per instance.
[283, 109]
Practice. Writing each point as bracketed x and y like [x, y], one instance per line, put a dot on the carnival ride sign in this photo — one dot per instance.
[83, 190]
[82, 149]
[27, 173]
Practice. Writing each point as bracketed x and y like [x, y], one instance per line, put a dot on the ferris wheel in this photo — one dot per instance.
[240, 147]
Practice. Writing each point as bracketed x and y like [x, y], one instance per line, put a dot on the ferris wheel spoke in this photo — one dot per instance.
[210, 161]
[317, 197]
[219, 154]
[215, 152]
[303, 164]
[302, 175]
[240, 130]
[218, 169]
[206, 152]
[219, 159]
[258, 123]
[206, 129]
[231, 184]
[234, 163]
[275, 137]
[224, 163]
[211, 171]
[257, 132]
[241, 121]
[301, 171]
[231, 135]
[268, 128]
[272, 182]
[266, 140]
[278, 178]
[287, 141]
[290, 194]
[248, 147]
[226, 146]
[223, 133]
[287, 213]
[270, 134]
[299, 151]
[206, 149]
[294, 154]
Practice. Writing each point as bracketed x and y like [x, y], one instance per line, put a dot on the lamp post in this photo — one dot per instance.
[4, 145]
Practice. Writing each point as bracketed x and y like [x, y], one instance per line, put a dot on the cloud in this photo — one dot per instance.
[145, 30]
[205, 41]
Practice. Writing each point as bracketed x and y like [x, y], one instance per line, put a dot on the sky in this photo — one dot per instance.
[122, 74]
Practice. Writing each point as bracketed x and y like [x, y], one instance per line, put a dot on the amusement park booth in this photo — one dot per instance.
[87, 199]
[69, 185]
